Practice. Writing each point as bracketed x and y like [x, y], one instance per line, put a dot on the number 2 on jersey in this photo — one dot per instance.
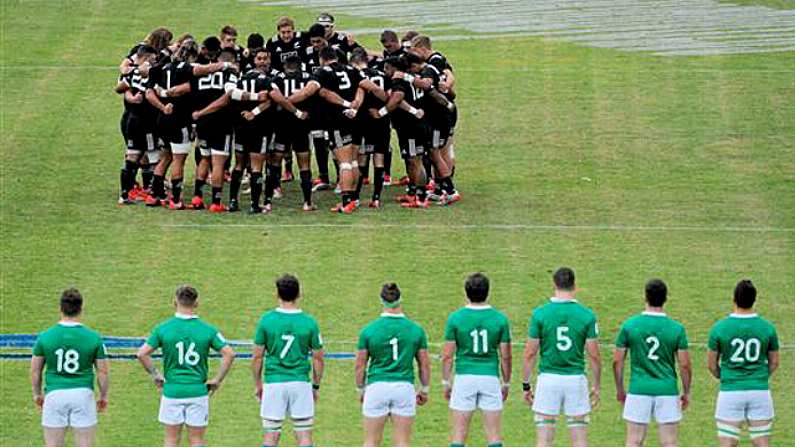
[68, 361]
[655, 345]
[289, 339]
[743, 350]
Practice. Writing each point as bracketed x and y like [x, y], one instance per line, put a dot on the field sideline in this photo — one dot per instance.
[621, 165]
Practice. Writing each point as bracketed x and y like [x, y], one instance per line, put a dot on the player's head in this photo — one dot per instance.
[288, 288]
[210, 47]
[563, 278]
[146, 54]
[317, 37]
[228, 36]
[393, 64]
[359, 57]
[174, 47]
[71, 302]
[390, 295]
[745, 294]
[285, 26]
[160, 38]
[262, 58]
[390, 41]
[292, 64]
[421, 46]
[656, 293]
[188, 51]
[326, 20]
[255, 40]
[186, 296]
[477, 287]
[413, 62]
[405, 42]
[328, 56]
[227, 55]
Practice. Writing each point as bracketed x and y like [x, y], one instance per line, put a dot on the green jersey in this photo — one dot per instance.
[289, 336]
[477, 332]
[185, 341]
[69, 351]
[653, 340]
[392, 343]
[743, 341]
[563, 326]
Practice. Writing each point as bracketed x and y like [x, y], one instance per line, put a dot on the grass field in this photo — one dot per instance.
[622, 165]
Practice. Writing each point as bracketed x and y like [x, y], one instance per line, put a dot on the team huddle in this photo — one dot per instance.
[288, 366]
[298, 93]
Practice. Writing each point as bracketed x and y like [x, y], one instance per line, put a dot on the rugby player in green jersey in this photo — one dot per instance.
[561, 331]
[387, 349]
[185, 341]
[743, 354]
[287, 338]
[478, 337]
[68, 353]
[655, 343]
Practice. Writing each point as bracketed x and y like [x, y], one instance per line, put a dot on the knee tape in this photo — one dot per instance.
[728, 431]
[761, 431]
[577, 423]
[272, 426]
[303, 424]
[544, 421]
[153, 156]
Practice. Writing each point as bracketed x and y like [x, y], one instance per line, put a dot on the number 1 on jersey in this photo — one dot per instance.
[394, 342]
[68, 361]
[483, 346]
[191, 357]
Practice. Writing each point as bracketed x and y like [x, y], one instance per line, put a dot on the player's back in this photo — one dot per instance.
[653, 340]
[289, 336]
[208, 88]
[743, 342]
[563, 326]
[477, 332]
[392, 342]
[185, 342]
[379, 78]
[341, 79]
[69, 350]
[171, 75]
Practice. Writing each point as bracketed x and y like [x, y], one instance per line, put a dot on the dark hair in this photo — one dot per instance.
[390, 292]
[409, 35]
[259, 50]
[396, 61]
[477, 287]
[160, 38]
[329, 54]
[188, 50]
[316, 30]
[564, 278]
[745, 294]
[255, 40]
[229, 30]
[146, 49]
[292, 59]
[71, 302]
[412, 58]
[359, 55]
[656, 292]
[389, 36]
[227, 55]
[186, 295]
[212, 44]
[288, 288]
[421, 42]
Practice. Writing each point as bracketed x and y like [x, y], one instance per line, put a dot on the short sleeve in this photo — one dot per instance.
[535, 326]
[259, 335]
[218, 342]
[712, 342]
[682, 344]
[505, 333]
[593, 329]
[102, 351]
[38, 348]
[154, 339]
[325, 79]
[317, 339]
[449, 330]
[423, 339]
[621, 339]
[773, 345]
[362, 344]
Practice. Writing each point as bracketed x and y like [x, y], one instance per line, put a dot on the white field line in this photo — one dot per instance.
[496, 227]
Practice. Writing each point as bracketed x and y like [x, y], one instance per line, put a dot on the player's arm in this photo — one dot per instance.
[213, 107]
[261, 107]
[506, 366]
[619, 358]
[448, 81]
[121, 87]
[395, 98]
[227, 358]
[153, 98]
[772, 362]
[448, 354]
[318, 365]
[277, 97]
[204, 70]
[36, 368]
[133, 98]
[334, 98]
[362, 356]
[595, 359]
[178, 90]
[103, 382]
[257, 355]
[712, 363]
[424, 363]
[309, 89]
[370, 86]
[441, 99]
[358, 99]
[531, 348]
[126, 66]
[144, 356]
[686, 374]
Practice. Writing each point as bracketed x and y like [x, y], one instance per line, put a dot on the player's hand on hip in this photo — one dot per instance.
[528, 397]
[684, 399]
[102, 404]
[595, 397]
[422, 398]
[159, 382]
[212, 385]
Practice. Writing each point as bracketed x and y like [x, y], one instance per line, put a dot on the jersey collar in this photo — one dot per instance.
[185, 316]
[733, 315]
[389, 315]
[288, 311]
[654, 314]
[70, 323]
[555, 299]
[470, 306]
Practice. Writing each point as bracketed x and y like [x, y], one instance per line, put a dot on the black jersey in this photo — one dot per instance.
[311, 58]
[171, 75]
[138, 84]
[339, 41]
[289, 83]
[440, 63]
[378, 62]
[254, 81]
[206, 89]
[163, 57]
[380, 79]
[414, 96]
[341, 79]
[281, 50]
